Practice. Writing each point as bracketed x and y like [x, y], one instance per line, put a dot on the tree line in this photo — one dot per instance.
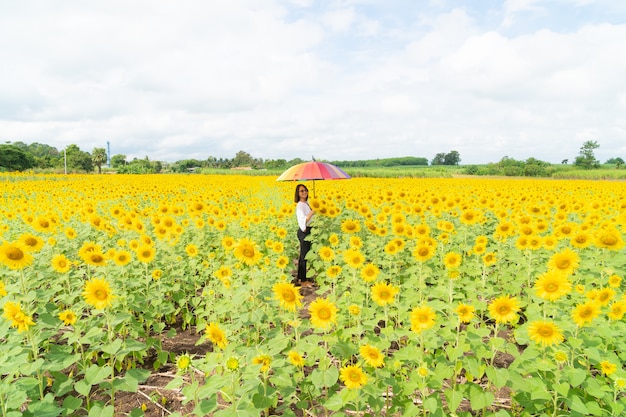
[19, 156]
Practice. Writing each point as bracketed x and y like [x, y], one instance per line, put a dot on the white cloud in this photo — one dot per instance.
[288, 79]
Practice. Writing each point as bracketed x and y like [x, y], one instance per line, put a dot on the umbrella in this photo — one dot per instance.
[313, 170]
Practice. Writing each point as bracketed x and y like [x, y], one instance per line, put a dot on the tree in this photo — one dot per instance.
[243, 159]
[118, 160]
[618, 162]
[77, 159]
[438, 159]
[452, 158]
[99, 157]
[13, 158]
[586, 158]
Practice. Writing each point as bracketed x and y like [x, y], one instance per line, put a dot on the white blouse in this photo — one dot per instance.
[302, 210]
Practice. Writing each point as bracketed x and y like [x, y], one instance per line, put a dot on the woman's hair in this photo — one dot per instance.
[297, 196]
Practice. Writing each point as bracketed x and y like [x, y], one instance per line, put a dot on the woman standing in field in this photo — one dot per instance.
[304, 213]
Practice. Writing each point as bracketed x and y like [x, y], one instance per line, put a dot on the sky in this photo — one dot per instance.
[334, 80]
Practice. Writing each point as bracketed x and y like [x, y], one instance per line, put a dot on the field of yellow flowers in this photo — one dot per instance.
[434, 297]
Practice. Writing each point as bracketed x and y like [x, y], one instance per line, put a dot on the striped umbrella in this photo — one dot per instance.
[313, 170]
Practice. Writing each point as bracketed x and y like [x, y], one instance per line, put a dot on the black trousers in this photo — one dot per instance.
[305, 246]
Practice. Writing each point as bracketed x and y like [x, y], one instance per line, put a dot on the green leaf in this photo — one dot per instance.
[113, 347]
[562, 389]
[326, 378]
[98, 411]
[96, 374]
[44, 409]
[498, 376]
[454, 399]
[480, 399]
[575, 376]
[576, 404]
[71, 403]
[82, 387]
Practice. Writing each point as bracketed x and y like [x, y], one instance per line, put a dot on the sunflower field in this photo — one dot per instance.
[433, 297]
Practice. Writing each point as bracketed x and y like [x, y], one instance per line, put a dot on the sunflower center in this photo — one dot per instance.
[289, 296]
[248, 252]
[15, 254]
[324, 314]
[609, 240]
[551, 287]
[31, 241]
[504, 310]
[545, 331]
[100, 294]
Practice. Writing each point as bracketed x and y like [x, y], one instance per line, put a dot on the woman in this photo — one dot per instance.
[304, 215]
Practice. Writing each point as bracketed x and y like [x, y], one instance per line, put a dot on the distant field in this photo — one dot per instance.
[439, 171]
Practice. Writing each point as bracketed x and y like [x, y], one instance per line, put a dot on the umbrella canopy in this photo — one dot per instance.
[313, 170]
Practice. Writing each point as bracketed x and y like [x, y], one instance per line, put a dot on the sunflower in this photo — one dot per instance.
[585, 313]
[296, 359]
[183, 362]
[372, 356]
[503, 309]
[224, 272]
[545, 333]
[383, 293]
[287, 295]
[350, 226]
[246, 251]
[391, 248]
[607, 367]
[615, 281]
[156, 274]
[31, 242]
[70, 233]
[68, 317]
[121, 257]
[489, 259]
[98, 293]
[216, 335]
[282, 262]
[452, 260]
[617, 310]
[95, 258]
[264, 360]
[565, 261]
[191, 250]
[352, 376]
[369, 272]
[3, 290]
[278, 247]
[228, 242]
[61, 264]
[581, 240]
[354, 310]
[465, 312]
[605, 295]
[326, 254]
[609, 238]
[13, 312]
[552, 285]
[354, 258]
[422, 318]
[20, 320]
[333, 239]
[145, 253]
[355, 242]
[323, 313]
[423, 252]
[15, 255]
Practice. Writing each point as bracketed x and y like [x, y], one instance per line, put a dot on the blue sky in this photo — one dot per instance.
[338, 80]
